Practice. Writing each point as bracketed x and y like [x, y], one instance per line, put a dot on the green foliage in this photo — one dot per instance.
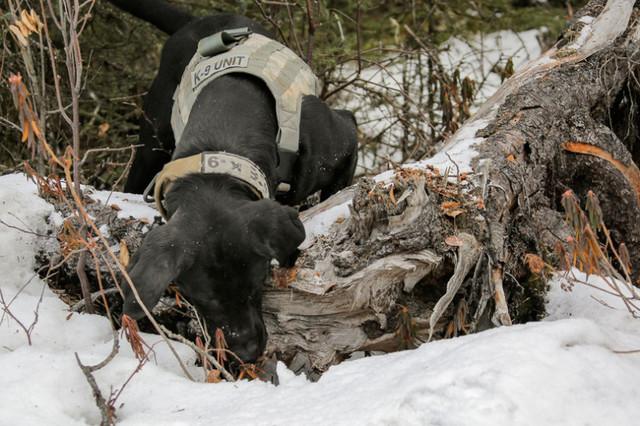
[122, 54]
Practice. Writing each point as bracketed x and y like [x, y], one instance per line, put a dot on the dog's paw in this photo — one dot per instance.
[279, 231]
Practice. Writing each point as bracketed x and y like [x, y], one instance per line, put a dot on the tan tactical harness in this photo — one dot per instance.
[288, 77]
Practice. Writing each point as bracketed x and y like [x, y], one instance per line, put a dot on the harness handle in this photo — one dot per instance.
[222, 41]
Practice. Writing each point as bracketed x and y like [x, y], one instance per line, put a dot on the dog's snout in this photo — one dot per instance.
[247, 337]
[250, 351]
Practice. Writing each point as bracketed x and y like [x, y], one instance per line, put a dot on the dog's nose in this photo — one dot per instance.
[248, 346]
[250, 351]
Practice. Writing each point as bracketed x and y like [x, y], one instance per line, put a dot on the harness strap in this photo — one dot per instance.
[208, 162]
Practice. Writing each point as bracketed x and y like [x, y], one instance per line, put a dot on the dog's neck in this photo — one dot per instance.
[236, 166]
[203, 193]
[264, 159]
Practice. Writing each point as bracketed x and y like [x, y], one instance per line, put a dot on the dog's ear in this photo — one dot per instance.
[154, 265]
[279, 231]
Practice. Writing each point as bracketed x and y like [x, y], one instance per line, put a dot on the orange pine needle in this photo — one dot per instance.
[630, 172]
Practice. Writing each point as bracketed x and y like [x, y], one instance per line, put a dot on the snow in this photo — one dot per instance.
[478, 57]
[566, 370]
[456, 155]
[130, 204]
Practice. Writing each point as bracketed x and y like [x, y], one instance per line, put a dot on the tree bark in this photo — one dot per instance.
[447, 238]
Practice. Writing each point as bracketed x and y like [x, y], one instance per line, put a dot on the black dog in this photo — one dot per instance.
[221, 236]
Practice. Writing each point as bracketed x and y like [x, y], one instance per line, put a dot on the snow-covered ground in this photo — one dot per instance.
[573, 368]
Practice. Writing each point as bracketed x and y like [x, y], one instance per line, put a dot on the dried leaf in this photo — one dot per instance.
[453, 241]
[392, 196]
[130, 330]
[221, 345]
[35, 19]
[18, 34]
[26, 20]
[203, 359]
[593, 209]
[25, 133]
[103, 129]
[176, 290]
[283, 276]
[250, 370]
[35, 128]
[450, 205]
[624, 257]
[23, 28]
[116, 207]
[535, 263]
[214, 376]
[199, 343]
[30, 21]
[454, 212]
[123, 256]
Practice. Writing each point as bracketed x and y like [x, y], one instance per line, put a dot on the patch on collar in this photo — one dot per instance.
[209, 162]
[239, 167]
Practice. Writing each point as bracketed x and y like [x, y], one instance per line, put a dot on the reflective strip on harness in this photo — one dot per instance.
[288, 77]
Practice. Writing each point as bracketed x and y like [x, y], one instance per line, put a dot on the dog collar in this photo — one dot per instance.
[208, 162]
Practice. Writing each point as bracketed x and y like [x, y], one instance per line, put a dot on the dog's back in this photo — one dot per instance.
[158, 13]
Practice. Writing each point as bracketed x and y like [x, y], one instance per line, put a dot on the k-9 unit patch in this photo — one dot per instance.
[207, 69]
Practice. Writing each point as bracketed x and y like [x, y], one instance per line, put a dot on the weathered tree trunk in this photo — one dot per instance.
[447, 241]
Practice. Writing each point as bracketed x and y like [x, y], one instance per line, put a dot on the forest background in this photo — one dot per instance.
[344, 42]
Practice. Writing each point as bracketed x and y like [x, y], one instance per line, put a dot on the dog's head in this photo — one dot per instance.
[219, 257]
